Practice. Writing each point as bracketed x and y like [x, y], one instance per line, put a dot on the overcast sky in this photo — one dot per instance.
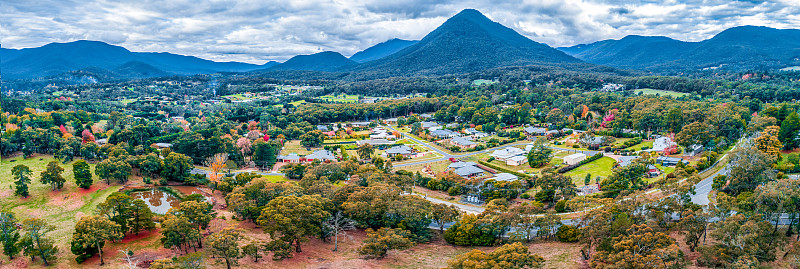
[256, 31]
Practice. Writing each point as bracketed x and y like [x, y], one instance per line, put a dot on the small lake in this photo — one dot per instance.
[157, 200]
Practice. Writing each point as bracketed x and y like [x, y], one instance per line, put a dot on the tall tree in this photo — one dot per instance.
[141, 217]
[312, 139]
[291, 218]
[442, 214]
[22, 178]
[539, 154]
[768, 141]
[176, 167]
[52, 175]
[339, 224]
[225, 244]
[117, 208]
[95, 231]
[9, 234]
[35, 242]
[365, 151]
[82, 174]
[790, 127]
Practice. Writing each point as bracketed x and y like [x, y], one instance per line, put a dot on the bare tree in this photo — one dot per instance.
[129, 261]
[339, 224]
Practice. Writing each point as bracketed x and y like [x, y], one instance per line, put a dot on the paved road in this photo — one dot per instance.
[703, 188]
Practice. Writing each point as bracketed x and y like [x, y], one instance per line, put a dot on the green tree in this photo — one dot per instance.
[252, 250]
[35, 241]
[265, 154]
[365, 151]
[198, 213]
[225, 244]
[789, 130]
[694, 224]
[22, 178]
[291, 218]
[512, 256]
[379, 242]
[9, 234]
[141, 217]
[312, 139]
[694, 133]
[82, 174]
[52, 175]
[567, 233]
[95, 231]
[151, 165]
[441, 214]
[117, 208]
[177, 232]
[176, 167]
[539, 154]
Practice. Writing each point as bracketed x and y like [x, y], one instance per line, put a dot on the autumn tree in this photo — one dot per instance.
[507, 256]
[9, 234]
[35, 242]
[216, 163]
[82, 174]
[52, 175]
[21, 174]
[640, 247]
[379, 242]
[292, 219]
[95, 231]
[225, 244]
[768, 141]
[338, 224]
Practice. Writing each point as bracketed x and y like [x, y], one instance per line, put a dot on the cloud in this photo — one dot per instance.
[257, 31]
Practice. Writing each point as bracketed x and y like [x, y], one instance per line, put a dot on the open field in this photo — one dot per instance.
[660, 92]
[293, 146]
[344, 98]
[601, 167]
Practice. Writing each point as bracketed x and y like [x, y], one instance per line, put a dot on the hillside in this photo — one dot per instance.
[323, 61]
[467, 42]
[738, 48]
[57, 58]
[381, 50]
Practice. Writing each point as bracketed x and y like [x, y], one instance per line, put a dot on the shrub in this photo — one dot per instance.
[567, 233]
[561, 206]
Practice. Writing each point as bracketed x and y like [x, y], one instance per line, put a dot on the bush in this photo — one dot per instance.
[567, 233]
[561, 206]
[525, 196]
[467, 232]
[490, 159]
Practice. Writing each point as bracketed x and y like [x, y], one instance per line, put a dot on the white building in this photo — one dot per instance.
[574, 158]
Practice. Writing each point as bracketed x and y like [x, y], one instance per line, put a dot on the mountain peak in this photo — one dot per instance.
[320, 61]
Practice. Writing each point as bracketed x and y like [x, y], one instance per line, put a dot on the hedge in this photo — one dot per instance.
[588, 160]
[495, 167]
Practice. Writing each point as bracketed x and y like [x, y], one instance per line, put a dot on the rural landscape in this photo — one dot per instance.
[473, 146]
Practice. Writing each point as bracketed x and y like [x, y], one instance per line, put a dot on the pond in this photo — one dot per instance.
[157, 200]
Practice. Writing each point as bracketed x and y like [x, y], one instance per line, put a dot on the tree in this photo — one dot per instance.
[151, 165]
[225, 244]
[291, 218]
[52, 175]
[95, 231]
[177, 232]
[441, 214]
[9, 234]
[35, 241]
[216, 163]
[507, 256]
[312, 139]
[198, 213]
[749, 167]
[339, 224]
[117, 208]
[768, 141]
[141, 217]
[694, 133]
[252, 250]
[539, 154]
[740, 236]
[265, 154]
[365, 151]
[567, 233]
[379, 242]
[789, 130]
[640, 247]
[22, 178]
[176, 167]
[82, 174]
[694, 225]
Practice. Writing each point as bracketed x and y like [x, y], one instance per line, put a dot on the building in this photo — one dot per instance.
[463, 143]
[504, 177]
[653, 171]
[475, 133]
[669, 161]
[623, 161]
[161, 145]
[322, 128]
[290, 158]
[517, 160]
[391, 121]
[588, 189]
[443, 133]
[574, 158]
[507, 153]
[428, 124]
[534, 131]
[361, 124]
[404, 150]
[661, 143]
[320, 155]
[466, 169]
[694, 150]
[374, 142]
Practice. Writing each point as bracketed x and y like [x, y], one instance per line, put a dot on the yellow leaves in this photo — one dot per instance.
[768, 141]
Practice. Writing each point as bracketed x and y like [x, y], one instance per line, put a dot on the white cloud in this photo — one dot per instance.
[257, 31]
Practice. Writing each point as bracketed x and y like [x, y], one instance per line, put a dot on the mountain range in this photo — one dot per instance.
[467, 42]
[737, 48]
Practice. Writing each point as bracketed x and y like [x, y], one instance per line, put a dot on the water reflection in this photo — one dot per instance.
[158, 201]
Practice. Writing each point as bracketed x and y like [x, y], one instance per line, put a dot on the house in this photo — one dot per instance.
[361, 124]
[425, 116]
[101, 141]
[623, 161]
[507, 153]
[694, 150]
[475, 133]
[669, 161]
[399, 150]
[466, 169]
[534, 131]
[290, 158]
[552, 133]
[451, 125]
[374, 142]
[504, 177]
[463, 143]
[161, 145]
[517, 160]
[428, 124]
[322, 128]
[653, 171]
[661, 143]
[574, 158]
[392, 121]
[443, 133]
[320, 155]
[329, 133]
[588, 189]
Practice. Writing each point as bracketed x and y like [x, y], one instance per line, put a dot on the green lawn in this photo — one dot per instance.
[660, 92]
[601, 167]
[648, 144]
[293, 146]
[62, 208]
[344, 98]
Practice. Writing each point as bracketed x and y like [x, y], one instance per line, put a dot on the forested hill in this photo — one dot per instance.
[738, 48]
[381, 50]
[323, 61]
[467, 42]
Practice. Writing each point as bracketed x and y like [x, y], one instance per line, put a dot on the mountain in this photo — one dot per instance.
[57, 58]
[382, 50]
[467, 42]
[738, 48]
[324, 61]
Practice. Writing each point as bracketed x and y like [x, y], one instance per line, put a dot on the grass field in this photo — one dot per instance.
[293, 146]
[648, 144]
[601, 167]
[660, 92]
[344, 98]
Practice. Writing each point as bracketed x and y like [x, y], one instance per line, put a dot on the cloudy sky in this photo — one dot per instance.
[256, 31]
